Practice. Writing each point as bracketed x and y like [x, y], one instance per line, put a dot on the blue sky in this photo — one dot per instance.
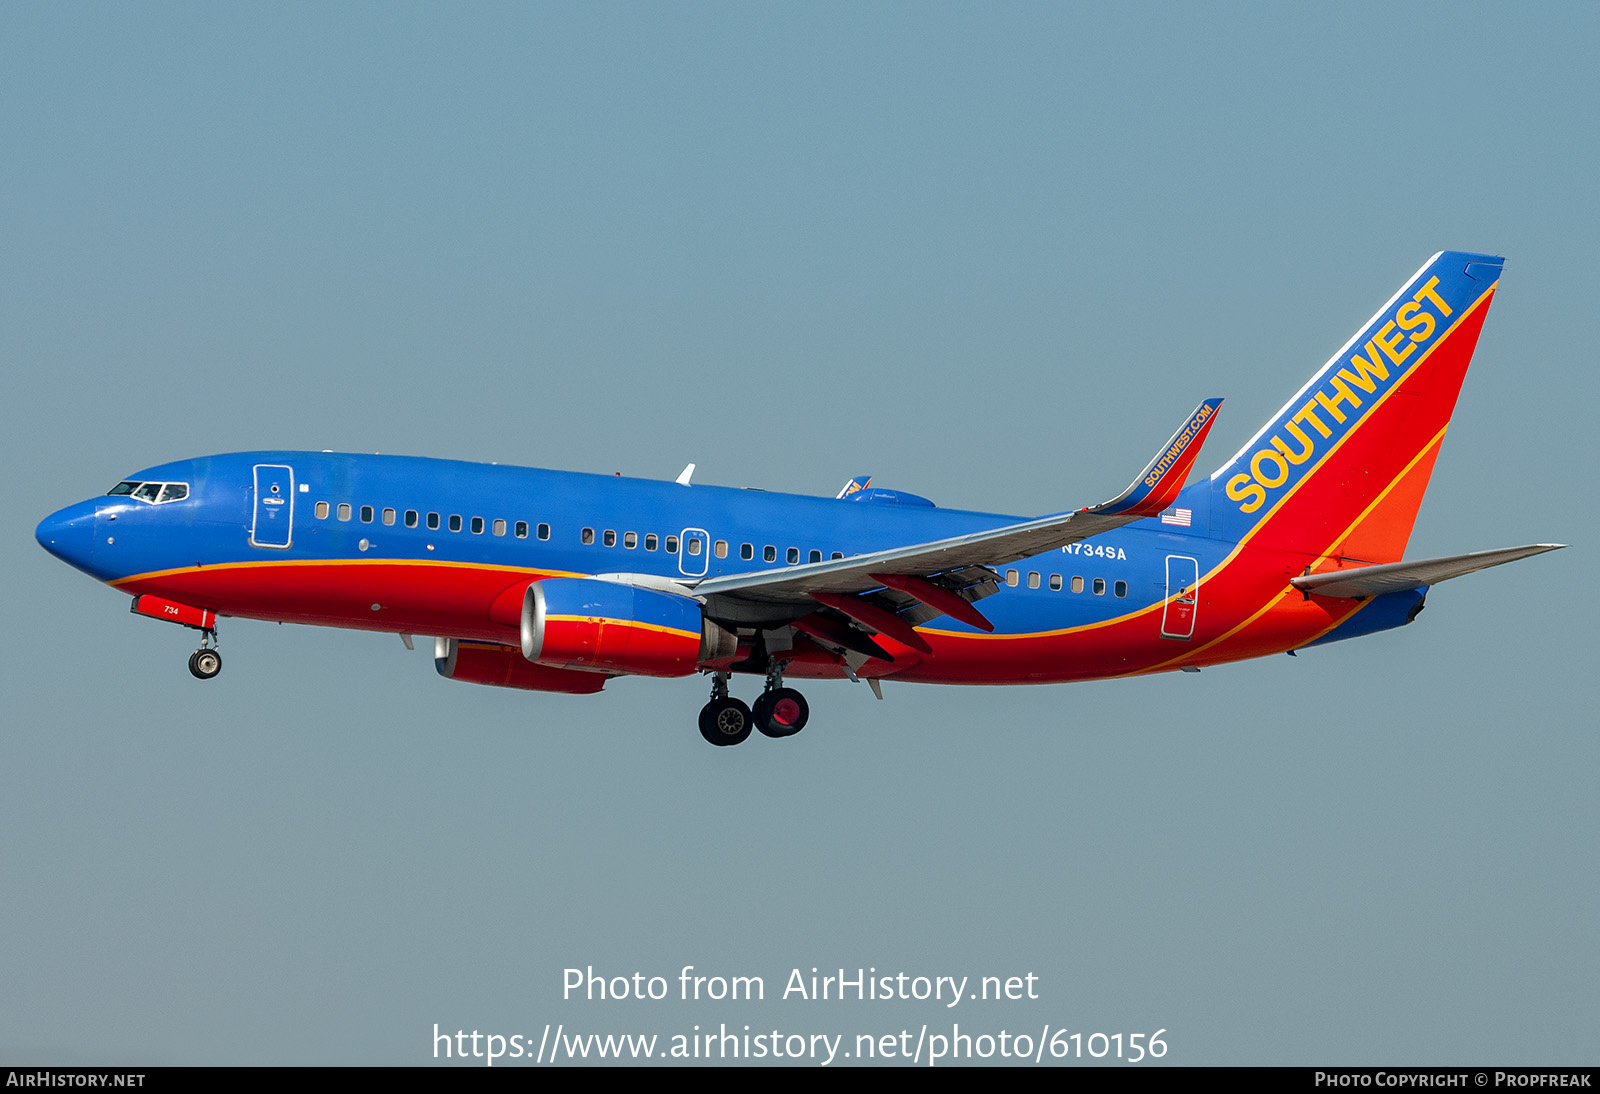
[986, 256]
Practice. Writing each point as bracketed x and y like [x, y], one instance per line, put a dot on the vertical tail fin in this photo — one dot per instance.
[1341, 469]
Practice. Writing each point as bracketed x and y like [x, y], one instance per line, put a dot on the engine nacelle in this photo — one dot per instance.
[505, 667]
[604, 626]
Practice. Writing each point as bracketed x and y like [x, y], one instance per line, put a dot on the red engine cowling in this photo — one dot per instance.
[605, 626]
[505, 667]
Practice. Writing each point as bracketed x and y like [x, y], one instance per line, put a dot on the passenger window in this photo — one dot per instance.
[388, 516]
[344, 510]
[1077, 584]
[814, 556]
[455, 522]
[1055, 582]
[769, 553]
[1099, 586]
[521, 529]
[587, 535]
[747, 551]
[477, 526]
[672, 545]
[650, 541]
[1011, 578]
[175, 491]
[721, 548]
[322, 510]
[1120, 588]
[411, 518]
[433, 521]
[694, 546]
[499, 527]
[793, 555]
[629, 540]
[610, 538]
[837, 554]
[1033, 579]
[148, 492]
[544, 531]
[366, 514]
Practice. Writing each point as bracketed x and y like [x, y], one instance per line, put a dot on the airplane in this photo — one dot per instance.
[560, 581]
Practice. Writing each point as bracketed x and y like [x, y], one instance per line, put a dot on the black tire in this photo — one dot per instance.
[725, 722]
[205, 664]
[781, 712]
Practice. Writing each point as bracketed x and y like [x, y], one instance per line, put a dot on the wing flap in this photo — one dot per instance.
[1368, 581]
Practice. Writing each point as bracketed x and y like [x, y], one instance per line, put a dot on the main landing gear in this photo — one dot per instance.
[206, 662]
[779, 712]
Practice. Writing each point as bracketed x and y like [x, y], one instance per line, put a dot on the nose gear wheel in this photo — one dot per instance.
[205, 663]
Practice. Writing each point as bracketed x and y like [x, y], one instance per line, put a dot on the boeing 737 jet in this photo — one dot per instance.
[558, 581]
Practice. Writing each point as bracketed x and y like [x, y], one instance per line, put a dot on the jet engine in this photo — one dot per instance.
[574, 623]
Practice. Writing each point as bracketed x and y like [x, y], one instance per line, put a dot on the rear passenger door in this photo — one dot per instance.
[1183, 588]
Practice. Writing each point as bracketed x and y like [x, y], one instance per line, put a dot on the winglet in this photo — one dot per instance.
[1158, 485]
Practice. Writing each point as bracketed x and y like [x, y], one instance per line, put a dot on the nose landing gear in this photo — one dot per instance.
[206, 662]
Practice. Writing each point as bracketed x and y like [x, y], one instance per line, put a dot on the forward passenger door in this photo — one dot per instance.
[272, 523]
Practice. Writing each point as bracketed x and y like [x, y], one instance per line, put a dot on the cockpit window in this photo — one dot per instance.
[153, 492]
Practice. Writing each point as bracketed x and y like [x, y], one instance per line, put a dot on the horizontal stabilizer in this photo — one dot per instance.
[1369, 581]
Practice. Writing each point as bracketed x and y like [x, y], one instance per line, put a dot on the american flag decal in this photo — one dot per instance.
[1180, 517]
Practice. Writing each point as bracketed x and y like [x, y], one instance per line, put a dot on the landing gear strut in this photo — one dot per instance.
[724, 720]
[206, 662]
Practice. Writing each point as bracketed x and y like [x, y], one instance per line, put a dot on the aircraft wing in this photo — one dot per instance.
[1367, 581]
[908, 568]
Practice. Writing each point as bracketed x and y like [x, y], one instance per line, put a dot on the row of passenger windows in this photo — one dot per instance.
[608, 537]
[747, 551]
[631, 540]
[412, 518]
[1013, 579]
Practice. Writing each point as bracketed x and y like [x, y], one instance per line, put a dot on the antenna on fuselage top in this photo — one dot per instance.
[683, 477]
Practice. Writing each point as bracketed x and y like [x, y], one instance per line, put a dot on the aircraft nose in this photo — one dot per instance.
[69, 534]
